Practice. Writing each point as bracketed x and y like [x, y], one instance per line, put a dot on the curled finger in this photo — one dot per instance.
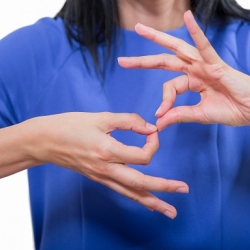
[171, 89]
[122, 153]
[126, 121]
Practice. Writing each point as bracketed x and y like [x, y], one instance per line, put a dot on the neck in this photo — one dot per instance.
[159, 14]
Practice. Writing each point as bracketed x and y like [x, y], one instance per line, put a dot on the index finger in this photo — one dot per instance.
[180, 47]
[121, 153]
[126, 121]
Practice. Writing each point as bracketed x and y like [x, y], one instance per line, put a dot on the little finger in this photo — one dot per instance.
[144, 198]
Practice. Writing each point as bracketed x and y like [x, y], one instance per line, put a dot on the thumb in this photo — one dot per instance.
[134, 122]
[179, 115]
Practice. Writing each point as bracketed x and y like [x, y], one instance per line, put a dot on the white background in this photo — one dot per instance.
[15, 222]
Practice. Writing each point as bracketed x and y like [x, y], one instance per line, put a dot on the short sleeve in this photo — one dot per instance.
[29, 57]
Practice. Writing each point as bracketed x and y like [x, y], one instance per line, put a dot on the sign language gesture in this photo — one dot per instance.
[225, 92]
[82, 142]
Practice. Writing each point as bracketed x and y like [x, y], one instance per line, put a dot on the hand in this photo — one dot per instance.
[225, 92]
[82, 142]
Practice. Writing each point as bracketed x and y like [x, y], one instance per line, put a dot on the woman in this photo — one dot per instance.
[44, 72]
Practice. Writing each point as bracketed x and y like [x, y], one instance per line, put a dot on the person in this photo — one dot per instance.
[65, 101]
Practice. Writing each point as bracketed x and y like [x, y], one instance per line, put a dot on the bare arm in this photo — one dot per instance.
[15, 148]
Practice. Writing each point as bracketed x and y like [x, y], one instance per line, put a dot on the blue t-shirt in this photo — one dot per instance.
[41, 74]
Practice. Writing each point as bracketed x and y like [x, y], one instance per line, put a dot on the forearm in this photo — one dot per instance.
[16, 146]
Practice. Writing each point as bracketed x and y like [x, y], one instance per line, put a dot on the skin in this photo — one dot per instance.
[158, 14]
[225, 92]
[81, 141]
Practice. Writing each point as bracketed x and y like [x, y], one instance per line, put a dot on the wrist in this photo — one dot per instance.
[34, 141]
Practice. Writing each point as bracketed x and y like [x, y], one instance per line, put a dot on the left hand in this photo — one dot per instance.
[225, 92]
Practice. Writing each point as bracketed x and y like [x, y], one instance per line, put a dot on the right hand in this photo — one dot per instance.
[82, 142]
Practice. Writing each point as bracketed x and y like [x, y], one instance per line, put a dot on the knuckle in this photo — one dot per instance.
[138, 185]
[164, 62]
[145, 160]
[154, 36]
[94, 177]
[135, 117]
[204, 45]
[105, 151]
[185, 67]
[177, 116]
[154, 203]
[132, 197]
[174, 46]
[165, 86]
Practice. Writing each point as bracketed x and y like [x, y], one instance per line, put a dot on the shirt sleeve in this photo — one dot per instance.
[17, 72]
[28, 59]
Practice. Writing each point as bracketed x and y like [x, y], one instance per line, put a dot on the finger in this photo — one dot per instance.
[134, 155]
[181, 48]
[203, 45]
[171, 89]
[126, 121]
[138, 181]
[163, 61]
[144, 198]
[180, 114]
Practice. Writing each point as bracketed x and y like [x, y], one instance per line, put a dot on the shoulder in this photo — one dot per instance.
[231, 42]
[43, 44]
[29, 58]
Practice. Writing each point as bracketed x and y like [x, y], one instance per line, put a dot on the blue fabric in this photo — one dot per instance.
[40, 74]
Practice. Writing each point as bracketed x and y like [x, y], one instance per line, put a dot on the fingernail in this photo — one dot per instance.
[182, 190]
[121, 58]
[158, 110]
[151, 127]
[143, 29]
[169, 214]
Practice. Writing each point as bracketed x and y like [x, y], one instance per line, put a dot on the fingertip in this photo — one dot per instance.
[189, 18]
[138, 26]
[160, 125]
[122, 61]
[163, 109]
[151, 127]
[170, 214]
[141, 29]
[188, 14]
[183, 189]
[158, 112]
